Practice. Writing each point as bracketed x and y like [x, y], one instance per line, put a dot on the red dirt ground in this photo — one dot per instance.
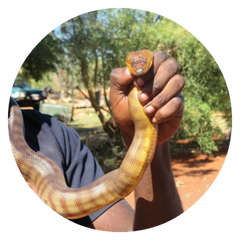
[194, 174]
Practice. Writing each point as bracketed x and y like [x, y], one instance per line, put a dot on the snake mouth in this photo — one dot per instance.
[139, 71]
[139, 66]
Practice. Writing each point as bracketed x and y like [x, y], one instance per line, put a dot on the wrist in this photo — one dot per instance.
[162, 155]
[159, 171]
[156, 197]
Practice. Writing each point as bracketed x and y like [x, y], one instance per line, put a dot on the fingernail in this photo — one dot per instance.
[150, 109]
[154, 120]
[140, 82]
[144, 96]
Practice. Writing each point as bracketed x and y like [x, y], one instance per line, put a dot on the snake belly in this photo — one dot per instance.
[47, 179]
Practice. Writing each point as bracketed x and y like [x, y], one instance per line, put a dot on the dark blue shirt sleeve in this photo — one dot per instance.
[62, 144]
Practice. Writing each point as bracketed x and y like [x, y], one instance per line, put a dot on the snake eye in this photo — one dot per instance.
[139, 66]
[137, 62]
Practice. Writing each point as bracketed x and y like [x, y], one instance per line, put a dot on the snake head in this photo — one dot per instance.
[139, 62]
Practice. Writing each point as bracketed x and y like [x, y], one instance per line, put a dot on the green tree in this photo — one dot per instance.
[97, 42]
[94, 43]
[205, 90]
[42, 59]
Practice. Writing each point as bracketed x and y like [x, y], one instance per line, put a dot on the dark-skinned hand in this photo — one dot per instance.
[159, 93]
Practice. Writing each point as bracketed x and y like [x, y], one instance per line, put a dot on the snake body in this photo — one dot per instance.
[47, 179]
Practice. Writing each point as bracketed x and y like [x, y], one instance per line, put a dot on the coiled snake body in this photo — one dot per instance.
[47, 179]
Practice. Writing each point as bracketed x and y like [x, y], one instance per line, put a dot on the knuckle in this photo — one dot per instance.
[114, 74]
[161, 115]
[180, 81]
[157, 87]
[173, 64]
[161, 100]
[178, 102]
[160, 55]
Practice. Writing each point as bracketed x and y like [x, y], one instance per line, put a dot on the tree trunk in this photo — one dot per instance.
[109, 126]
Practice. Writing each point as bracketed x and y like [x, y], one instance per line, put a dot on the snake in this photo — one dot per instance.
[43, 175]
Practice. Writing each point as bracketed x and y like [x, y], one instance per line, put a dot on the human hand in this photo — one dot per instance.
[159, 93]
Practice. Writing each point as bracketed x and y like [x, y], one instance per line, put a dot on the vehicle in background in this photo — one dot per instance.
[26, 96]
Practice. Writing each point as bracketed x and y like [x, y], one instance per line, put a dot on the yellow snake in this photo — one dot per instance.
[47, 179]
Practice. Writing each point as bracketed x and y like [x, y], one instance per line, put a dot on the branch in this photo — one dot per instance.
[78, 88]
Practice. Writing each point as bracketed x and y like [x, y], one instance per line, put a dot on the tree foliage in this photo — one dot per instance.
[42, 59]
[205, 90]
[89, 46]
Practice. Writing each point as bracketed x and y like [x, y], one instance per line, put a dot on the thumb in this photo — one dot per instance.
[120, 82]
[120, 79]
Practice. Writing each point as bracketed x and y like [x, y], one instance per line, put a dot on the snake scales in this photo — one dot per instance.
[47, 179]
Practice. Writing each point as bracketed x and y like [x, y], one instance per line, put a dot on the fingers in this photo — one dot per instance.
[158, 88]
[121, 77]
[165, 72]
[159, 58]
[172, 108]
[167, 103]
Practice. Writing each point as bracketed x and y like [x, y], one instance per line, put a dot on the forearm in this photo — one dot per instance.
[156, 195]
